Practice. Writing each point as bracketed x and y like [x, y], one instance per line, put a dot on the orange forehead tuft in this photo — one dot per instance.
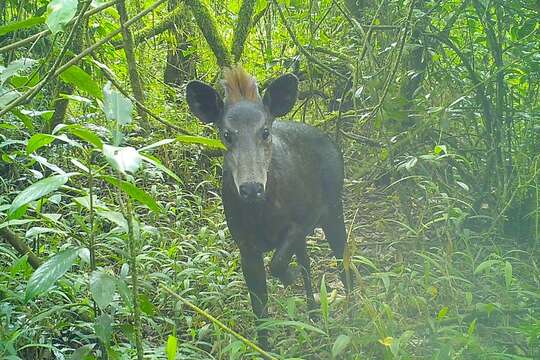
[239, 85]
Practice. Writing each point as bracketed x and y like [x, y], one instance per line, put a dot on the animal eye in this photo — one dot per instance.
[227, 136]
[265, 134]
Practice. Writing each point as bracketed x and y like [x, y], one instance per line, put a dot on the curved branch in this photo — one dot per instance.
[303, 50]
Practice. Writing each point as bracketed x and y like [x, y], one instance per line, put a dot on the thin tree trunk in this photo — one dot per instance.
[243, 26]
[135, 80]
[207, 25]
[22, 248]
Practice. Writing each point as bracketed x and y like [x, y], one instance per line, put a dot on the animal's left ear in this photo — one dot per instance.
[280, 95]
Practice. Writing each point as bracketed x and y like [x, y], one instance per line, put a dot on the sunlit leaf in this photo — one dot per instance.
[171, 347]
[49, 272]
[59, 13]
[212, 143]
[134, 192]
[76, 76]
[37, 141]
[116, 106]
[23, 24]
[38, 189]
[102, 287]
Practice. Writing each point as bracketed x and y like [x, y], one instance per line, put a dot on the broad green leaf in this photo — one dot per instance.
[15, 67]
[36, 230]
[37, 141]
[85, 134]
[59, 13]
[212, 143]
[23, 24]
[103, 328]
[47, 274]
[114, 217]
[486, 265]
[152, 160]
[37, 190]
[124, 292]
[102, 287]
[171, 347]
[340, 345]
[76, 76]
[116, 106]
[134, 192]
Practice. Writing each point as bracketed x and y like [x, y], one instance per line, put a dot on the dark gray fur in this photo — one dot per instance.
[300, 171]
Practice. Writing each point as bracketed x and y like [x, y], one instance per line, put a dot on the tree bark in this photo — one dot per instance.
[207, 25]
[135, 80]
[22, 248]
[243, 26]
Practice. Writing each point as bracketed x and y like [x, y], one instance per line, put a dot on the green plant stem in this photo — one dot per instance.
[221, 325]
[132, 248]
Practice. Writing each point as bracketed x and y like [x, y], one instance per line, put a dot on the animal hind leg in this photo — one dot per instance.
[334, 230]
[303, 260]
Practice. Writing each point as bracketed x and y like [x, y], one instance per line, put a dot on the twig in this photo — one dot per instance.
[110, 76]
[397, 62]
[77, 58]
[301, 48]
[222, 326]
[43, 33]
[131, 61]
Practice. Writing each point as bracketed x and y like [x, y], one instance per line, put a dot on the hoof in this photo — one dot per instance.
[289, 276]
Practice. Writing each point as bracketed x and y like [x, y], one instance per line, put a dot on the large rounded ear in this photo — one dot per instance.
[204, 101]
[280, 95]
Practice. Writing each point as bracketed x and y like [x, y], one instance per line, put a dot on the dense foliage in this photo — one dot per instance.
[113, 239]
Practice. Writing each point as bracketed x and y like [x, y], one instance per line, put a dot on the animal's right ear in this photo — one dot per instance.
[204, 101]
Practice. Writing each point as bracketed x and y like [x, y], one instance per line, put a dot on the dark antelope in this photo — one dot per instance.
[280, 179]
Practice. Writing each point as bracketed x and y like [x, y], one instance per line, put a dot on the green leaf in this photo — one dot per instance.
[15, 67]
[508, 274]
[47, 274]
[23, 24]
[103, 328]
[134, 192]
[157, 144]
[114, 217]
[486, 265]
[442, 313]
[212, 143]
[102, 287]
[324, 299]
[85, 134]
[59, 13]
[124, 292]
[116, 106]
[171, 347]
[340, 345]
[76, 76]
[152, 160]
[37, 190]
[37, 141]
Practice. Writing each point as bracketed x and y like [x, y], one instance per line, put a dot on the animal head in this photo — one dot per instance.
[244, 121]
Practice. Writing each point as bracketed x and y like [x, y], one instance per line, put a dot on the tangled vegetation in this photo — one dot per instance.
[113, 242]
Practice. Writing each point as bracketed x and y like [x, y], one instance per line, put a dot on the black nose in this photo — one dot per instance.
[251, 191]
